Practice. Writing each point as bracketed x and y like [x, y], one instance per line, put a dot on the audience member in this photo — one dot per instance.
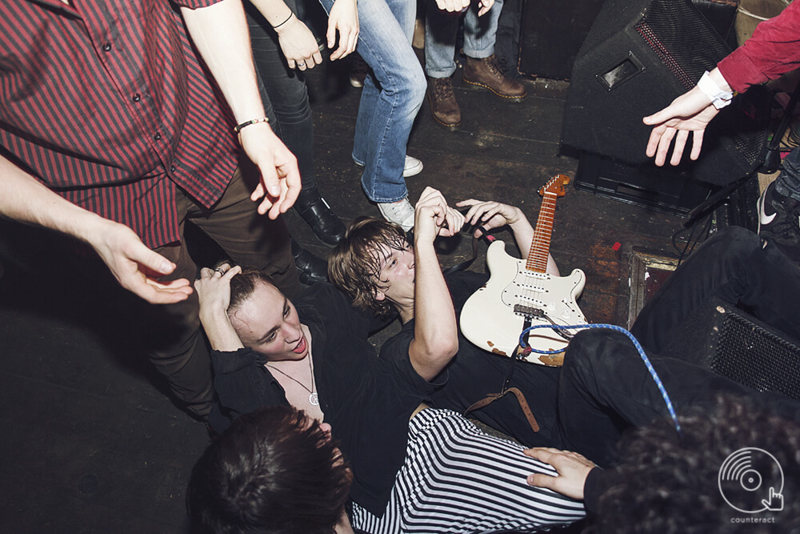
[410, 463]
[274, 471]
[481, 69]
[390, 99]
[671, 482]
[112, 132]
[774, 49]
[282, 46]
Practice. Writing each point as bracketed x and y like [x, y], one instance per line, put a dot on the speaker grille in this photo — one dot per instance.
[755, 357]
[679, 35]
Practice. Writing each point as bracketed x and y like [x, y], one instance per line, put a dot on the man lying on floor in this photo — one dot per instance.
[414, 468]
[604, 385]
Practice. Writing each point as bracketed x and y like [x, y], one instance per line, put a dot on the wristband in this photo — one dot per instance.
[291, 13]
[719, 97]
[238, 127]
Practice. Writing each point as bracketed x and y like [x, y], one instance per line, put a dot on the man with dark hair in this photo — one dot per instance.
[670, 482]
[120, 122]
[273, 471]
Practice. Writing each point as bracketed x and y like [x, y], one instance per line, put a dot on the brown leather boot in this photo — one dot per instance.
[486, 74]
[444, 107]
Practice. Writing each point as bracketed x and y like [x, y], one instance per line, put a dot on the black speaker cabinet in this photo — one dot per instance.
[640, 55]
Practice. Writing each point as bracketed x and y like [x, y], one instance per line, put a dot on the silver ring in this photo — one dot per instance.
[301, 64]
[220, 271]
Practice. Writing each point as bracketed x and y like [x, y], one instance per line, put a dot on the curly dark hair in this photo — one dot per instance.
[669, 483]
[354, 265]
[271, 472]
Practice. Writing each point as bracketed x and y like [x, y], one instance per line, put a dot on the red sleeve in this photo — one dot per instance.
[774, 49]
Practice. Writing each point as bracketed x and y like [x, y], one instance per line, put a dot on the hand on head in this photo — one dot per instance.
[214, 287]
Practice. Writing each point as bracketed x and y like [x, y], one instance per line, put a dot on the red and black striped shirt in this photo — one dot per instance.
[108, 104]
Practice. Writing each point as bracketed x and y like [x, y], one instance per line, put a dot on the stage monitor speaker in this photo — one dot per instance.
[639, 56]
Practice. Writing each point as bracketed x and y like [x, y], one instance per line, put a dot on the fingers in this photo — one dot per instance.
[663, 146]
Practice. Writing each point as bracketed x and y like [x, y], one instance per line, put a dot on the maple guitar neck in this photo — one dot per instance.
[540, 246]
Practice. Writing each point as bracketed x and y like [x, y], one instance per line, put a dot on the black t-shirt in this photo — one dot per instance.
[474, 373]
[367, 408]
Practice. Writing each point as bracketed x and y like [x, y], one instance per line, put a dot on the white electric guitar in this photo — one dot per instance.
[494, 316]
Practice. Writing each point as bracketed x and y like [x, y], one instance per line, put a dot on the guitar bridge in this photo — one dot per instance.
[528, 311]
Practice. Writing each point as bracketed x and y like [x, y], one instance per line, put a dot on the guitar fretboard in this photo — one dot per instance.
[540, 246]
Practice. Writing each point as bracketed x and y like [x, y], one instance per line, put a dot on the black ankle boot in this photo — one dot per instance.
[310, 268]
[319, 216]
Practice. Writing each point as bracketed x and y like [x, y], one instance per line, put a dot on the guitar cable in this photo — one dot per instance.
[527, 350]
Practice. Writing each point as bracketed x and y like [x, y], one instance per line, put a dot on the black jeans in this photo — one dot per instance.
[605, 387]
[284, 93]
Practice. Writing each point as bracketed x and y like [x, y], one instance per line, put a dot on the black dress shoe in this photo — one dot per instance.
[319, 216]
[310, 268]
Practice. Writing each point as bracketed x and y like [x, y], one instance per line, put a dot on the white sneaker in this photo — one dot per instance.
[412, 167]
[401, 212]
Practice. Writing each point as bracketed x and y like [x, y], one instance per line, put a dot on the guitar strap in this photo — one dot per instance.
[523, 404]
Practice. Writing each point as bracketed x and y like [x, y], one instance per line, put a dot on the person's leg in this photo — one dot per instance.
[606, 388]
[735, 266]
[458, 479]
[286, 104]
[481, 70]
[248, 238]
[441, 31]
[390, 102]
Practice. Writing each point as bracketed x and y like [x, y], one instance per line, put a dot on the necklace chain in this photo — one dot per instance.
[313, 398]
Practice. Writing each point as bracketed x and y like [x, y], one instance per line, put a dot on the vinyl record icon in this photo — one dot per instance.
[746, 477]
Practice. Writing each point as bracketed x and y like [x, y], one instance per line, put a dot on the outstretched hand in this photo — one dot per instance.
[280, 177]
[136, 267]
[690, 113]
[572, 469]
[343, 19]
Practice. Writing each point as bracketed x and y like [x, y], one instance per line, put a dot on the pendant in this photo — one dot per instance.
[313, 399]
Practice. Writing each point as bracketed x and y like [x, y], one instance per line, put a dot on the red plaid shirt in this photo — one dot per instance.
[108, 104]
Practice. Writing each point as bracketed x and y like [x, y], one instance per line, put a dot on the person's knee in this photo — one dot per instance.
[592, 353]
[735, 243]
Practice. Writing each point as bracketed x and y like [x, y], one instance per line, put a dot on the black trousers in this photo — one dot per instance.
[605, 387]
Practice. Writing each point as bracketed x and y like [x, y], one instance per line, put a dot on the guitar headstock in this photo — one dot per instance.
[555, 185]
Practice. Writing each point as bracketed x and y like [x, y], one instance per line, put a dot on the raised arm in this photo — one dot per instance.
[220, 33]
[135, 266]
[435, 328]
[214, 293]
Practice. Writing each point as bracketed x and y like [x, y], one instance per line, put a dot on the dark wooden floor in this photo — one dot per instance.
[89, 441]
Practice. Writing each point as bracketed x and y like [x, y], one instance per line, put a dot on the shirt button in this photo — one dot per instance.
[107, 47]
[172, 168]
[136, 97]
[157, 137]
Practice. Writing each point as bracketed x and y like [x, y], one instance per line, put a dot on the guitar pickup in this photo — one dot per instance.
[528, 311]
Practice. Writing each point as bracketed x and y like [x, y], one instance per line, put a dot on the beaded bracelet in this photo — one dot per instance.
[238, 127]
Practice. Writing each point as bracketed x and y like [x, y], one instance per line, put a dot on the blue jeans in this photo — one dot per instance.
[284, 93]
[788, 181]
[441, 30]
[389, 101]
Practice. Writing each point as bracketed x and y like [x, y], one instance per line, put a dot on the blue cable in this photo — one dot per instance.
[616, 328]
